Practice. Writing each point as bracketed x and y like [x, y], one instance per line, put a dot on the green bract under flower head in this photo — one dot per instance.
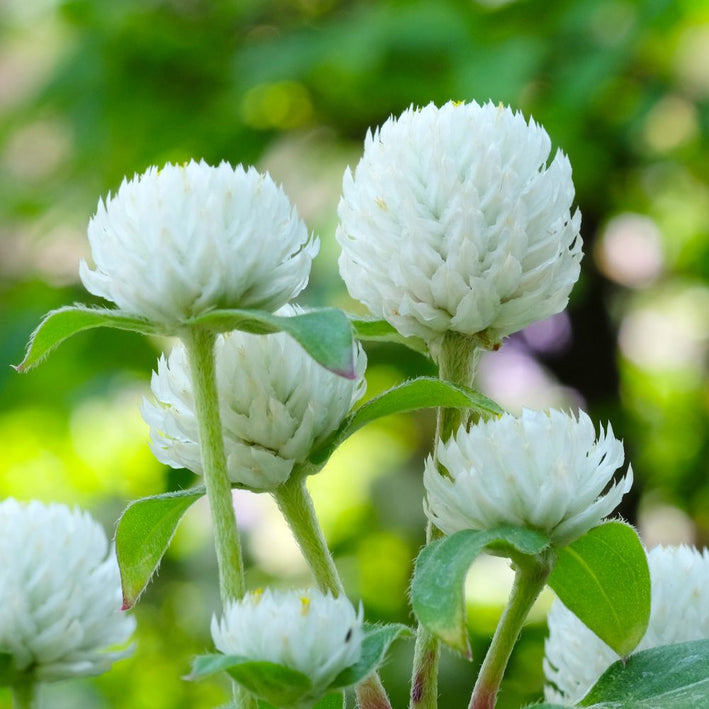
[276, 404]
[575, 658]
[545, 471]
[180, 241]
[308, 631]
[60, 593]
[454, 220]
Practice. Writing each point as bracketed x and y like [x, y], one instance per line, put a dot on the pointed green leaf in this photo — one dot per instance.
[667, 677]
[336, 700]
[412, 395]
[207, 665]
[144, 532]
[60, 325]
[603, 578]
[279, 685]
[382, 331]
[375, 643]
[324, 333]
[437, 589]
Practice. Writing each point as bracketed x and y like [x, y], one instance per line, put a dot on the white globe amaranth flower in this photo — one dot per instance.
[575, 657]
[176, 242]
[543, 470]
[455, 220]
[276, 404]
[60, 593]
[308, 631]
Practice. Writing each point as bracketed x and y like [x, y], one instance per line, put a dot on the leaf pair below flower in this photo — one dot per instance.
[602, 577]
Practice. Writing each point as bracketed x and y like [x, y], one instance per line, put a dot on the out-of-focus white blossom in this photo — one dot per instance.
[308, 631]
[543, 470]
[60, 593]
[276, 403]
[176, 242]
[575, 657]
[455, 220]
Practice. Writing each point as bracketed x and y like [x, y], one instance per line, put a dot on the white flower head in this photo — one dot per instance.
[176, 242]
[308, 631]
[575, 657]
[60, 593]
[276, 404]
[455, 220]
[544, 470]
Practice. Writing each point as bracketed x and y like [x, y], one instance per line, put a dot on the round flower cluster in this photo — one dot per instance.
[176, 242]
[575, 657]
[542, 470]
[60, 593]
[276, 404]
[455, 220]
[308, 631]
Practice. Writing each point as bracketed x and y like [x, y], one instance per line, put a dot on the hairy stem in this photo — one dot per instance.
[200, 350]
[199, 343]
[296, 505]
[457, 356]
[530, 578]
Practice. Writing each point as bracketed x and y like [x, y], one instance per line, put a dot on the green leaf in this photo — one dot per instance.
[437, 589]
[420, 393]
[60, 325]
[375, 643]
[324, 333]
[667, 677]
[277, 684]
[603, 578]
[382, 331]
[336, 700]
[144, 532]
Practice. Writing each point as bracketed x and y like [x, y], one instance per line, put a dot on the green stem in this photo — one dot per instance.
[25, 694]
[457, 356]
[530, 578]
[199, 343]
[200, 350]
[295, 503]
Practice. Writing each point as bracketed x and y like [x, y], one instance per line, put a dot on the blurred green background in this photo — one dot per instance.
[92, 90]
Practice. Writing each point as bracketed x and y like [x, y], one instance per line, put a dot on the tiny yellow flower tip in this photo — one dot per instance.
[304, 605]
[381, 203]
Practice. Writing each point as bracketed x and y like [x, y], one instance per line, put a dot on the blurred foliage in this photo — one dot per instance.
[92, 90]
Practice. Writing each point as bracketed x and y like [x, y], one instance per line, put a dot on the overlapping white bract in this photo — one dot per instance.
[276, 403]
[308, 631]
[543, 470]
[575, 657]
[453, 220]
[60, 593]
[176, 242]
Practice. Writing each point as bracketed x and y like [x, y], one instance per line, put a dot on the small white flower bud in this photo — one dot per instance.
[307, 631]
[543, 470]
[177, 242]
[276, 404]
[455, 220]
[575, 657]
[60, 593]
